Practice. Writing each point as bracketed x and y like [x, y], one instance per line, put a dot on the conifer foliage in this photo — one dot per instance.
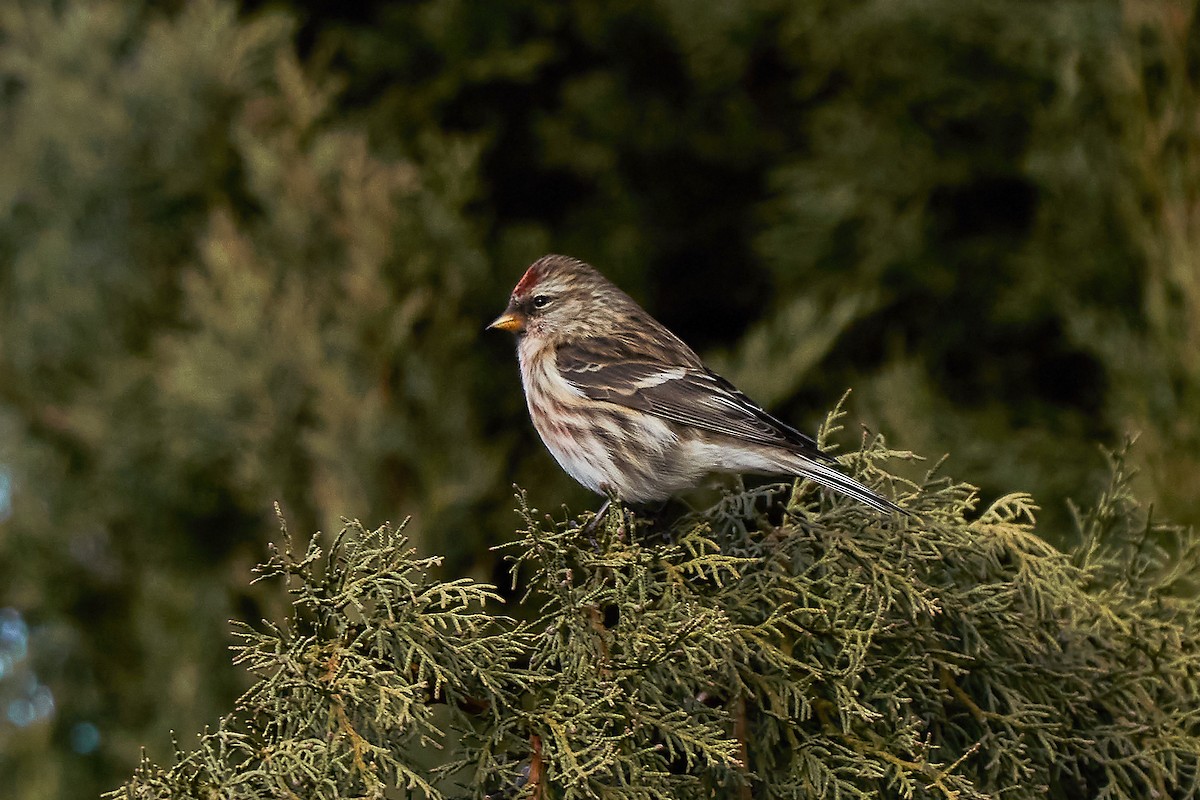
[781, 644]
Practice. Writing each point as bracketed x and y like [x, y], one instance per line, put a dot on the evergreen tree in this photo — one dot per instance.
[215, 296]
[781, 644]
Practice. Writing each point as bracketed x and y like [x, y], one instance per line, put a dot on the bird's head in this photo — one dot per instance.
[562, 298]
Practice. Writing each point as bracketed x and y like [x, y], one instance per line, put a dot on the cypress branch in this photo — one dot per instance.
[783, 643]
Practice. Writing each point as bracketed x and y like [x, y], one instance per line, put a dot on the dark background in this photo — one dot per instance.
[247, 253]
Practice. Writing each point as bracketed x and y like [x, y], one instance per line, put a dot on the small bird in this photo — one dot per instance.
[628, 409]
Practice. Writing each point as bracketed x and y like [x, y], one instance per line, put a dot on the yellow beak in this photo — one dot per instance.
[508, 321]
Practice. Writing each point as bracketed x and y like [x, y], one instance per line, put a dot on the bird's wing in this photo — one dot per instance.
[687, 394]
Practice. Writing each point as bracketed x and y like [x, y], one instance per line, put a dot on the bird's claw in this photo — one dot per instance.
[592, 525]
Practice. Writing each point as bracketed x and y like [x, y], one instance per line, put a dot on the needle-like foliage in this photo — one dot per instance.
[784, 643]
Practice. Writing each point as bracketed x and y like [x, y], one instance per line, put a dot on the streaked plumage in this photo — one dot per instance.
[625, 407]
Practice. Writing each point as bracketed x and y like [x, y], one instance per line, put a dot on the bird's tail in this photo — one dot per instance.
[831, 478]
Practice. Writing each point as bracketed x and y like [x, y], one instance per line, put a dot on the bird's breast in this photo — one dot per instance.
[543, 383]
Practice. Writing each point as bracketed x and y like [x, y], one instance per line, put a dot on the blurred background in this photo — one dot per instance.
[247, 252]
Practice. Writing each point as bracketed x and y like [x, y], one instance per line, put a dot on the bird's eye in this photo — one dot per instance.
[541, 301]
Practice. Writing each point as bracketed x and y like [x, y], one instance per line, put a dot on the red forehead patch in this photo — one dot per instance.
[531, 278]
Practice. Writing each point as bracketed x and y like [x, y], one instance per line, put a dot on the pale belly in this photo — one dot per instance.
[646, 467]
[605, 447]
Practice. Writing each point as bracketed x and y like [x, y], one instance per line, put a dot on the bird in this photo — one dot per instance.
[630, 411]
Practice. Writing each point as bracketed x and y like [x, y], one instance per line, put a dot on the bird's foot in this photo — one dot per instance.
[610, 506]
[593, 524]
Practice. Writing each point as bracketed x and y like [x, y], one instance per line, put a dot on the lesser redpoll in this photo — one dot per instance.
[627, 409]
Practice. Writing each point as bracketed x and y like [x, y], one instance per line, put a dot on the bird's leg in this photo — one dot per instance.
[656, 516]
[595, 521]
[589, 530]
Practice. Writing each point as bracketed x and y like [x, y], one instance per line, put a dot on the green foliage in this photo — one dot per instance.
[1154, 358]
[214, 296]
[781, 644]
